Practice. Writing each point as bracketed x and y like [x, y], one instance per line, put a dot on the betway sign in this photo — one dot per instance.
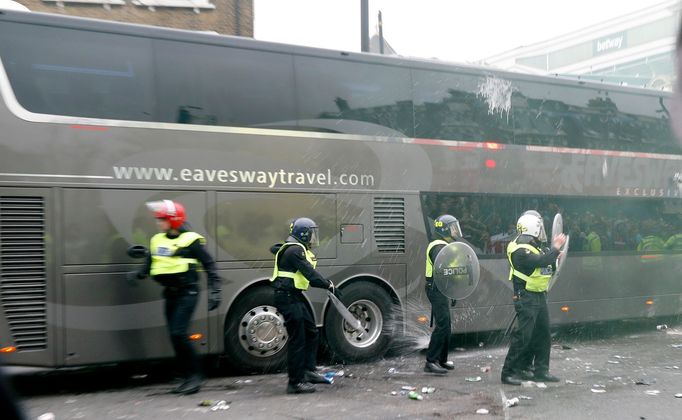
[609, 43]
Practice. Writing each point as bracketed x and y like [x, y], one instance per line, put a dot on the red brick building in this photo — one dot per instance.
[228, 17]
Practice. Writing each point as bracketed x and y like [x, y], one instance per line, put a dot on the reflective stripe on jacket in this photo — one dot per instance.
[300, 282]
[163, 250]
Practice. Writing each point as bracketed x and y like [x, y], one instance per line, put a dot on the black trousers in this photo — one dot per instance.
[179, 308]
[303, 336]
[440, 337]
[531, 338]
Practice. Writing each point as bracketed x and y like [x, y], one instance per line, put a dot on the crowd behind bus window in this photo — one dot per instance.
[489, 222]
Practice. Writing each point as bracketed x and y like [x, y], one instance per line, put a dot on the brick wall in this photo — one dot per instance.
[223, 19]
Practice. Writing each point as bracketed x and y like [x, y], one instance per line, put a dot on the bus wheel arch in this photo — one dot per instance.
[254, 333]
[376, 304]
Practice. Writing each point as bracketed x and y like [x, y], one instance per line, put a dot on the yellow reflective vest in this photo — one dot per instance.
[429, 263]
[538, 281]
[300, 282]
[163, 250]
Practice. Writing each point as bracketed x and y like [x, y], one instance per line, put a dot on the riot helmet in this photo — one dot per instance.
[172, 211]
[532, 212]
[305, 231]
[531, 224]
[447, 226]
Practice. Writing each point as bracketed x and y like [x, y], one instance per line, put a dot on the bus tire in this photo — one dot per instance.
[374, 308]
[255, 336]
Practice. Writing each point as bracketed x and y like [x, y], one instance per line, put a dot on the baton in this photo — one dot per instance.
[344, 312]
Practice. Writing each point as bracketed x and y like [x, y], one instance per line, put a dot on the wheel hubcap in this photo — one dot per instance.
[372, 322]
[262, 332]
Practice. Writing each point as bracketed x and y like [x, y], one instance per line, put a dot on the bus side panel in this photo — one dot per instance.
[105, 318]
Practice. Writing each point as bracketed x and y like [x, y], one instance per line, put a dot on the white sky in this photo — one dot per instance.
[452, 30]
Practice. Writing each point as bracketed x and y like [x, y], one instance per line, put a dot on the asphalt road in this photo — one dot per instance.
[609, 358]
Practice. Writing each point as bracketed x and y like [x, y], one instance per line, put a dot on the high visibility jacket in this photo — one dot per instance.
[429, 263]
[300, 282]
[538, 281]
[651, 243]
[593, 263]
[674, 242]
[593, 242]
[163, 250]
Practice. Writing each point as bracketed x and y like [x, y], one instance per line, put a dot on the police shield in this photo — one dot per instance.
[558, 228]
[456, 270]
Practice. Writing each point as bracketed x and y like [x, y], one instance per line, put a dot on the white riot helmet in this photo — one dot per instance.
[531, 224]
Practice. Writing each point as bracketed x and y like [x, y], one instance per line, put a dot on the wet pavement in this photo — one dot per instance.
[608, 371]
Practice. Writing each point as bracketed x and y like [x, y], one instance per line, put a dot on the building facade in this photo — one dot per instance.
[637, 49]
[227, 17]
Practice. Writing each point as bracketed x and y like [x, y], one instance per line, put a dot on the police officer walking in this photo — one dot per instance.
[172, 261]
[294, 271]
[530, 270]
[447, 230]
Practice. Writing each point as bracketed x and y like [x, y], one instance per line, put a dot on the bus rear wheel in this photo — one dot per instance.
[255, 336]
[374, 308]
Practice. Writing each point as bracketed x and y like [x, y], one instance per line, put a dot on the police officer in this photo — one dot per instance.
[447, 230]
[172, 261]
[530, 270]
[294, 271]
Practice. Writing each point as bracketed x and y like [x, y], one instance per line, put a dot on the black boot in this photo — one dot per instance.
[434, 368]
[300, 388]
[447, 365]
[511, 380]
[191, 385]
[315, 378]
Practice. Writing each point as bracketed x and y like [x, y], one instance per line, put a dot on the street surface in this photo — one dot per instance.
[608, 371]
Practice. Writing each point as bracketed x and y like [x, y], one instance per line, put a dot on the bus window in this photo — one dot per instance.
[76, 73]
[636, 225]
[643, 122]
[447, 106]
[248, 224]
[231, 87]
[353, 98]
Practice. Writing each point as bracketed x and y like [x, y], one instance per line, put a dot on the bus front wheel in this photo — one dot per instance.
[371, 305]
[255, 336]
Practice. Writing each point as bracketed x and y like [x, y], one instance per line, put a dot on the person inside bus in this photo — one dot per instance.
[172, 261]
[530, 271]
[447, 230]
[293, 273]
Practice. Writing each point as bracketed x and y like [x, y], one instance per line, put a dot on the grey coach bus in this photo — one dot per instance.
[96, 118]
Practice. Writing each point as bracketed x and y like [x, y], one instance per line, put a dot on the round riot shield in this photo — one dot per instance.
[558, 228]
[456, 270]
[557, 225]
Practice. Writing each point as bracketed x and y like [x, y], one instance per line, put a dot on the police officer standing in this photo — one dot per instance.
[172, 261]
[530, 270]
[294, 271]
[447, 230]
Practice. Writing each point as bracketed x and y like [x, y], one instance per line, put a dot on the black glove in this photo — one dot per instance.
[214, 299]
[133, 278]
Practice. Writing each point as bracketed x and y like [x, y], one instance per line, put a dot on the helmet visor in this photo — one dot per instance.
[542, 237]
[314, 237]
[155, 206]
[455, 230]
